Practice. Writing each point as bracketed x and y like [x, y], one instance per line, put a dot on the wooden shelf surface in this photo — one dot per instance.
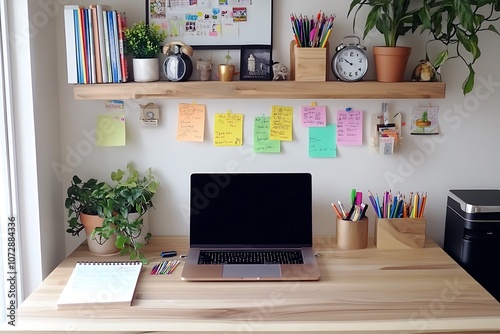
[261, 90]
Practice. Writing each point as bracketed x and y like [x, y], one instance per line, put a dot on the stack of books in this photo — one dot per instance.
[94, 44]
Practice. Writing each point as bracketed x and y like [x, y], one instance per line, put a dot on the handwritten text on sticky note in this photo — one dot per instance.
[313, 116]
[261, 141]
[191, 122]
[281, 123]
[228, 129]
[350, 127]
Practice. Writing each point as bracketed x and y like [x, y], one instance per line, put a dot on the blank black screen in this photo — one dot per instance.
[254, 210]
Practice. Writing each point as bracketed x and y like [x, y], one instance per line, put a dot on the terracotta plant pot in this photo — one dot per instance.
[97, 245]
[390, 62]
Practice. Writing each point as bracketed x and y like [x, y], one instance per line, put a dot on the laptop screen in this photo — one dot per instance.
[251, 210]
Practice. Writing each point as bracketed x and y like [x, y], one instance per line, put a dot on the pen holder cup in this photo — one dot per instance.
[308, 64]
[400, 233]
[352, 234]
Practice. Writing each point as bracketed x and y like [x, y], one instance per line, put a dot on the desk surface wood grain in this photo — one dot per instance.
[360, 291]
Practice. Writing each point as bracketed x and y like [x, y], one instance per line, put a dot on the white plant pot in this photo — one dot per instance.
[146, 69]
[141, 237]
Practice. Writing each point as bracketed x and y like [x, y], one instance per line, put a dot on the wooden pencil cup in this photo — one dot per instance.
[308, 64]
[400, 233]
[352, 234]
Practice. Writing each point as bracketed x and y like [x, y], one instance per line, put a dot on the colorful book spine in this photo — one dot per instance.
[90, 45]
[106, 39]
[96, 44]
[79, 61]
[102, 41]
[83, 44]
[117, 46]
[112, 47]
[122, 25]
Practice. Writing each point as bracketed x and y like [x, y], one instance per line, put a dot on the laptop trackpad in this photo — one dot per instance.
[251, 271]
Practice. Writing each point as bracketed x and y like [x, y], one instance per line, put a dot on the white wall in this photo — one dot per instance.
[37, 140]
[460, 157]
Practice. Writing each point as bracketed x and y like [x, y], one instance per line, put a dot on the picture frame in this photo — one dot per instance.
[212, 25]
[256, 62]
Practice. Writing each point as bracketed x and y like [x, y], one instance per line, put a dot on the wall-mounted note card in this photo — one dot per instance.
[350, 127]
[191, 122]
[261, 141]
[111, 129]
[313, 116]
[424, 121]
[281, 123]
[322, 142]
[228, 129]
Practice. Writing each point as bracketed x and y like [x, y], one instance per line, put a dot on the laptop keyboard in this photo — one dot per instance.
[251, 257]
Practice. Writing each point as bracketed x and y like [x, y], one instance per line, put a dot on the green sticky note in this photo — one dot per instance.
[322, 142]
[111, 130]
[261, 141]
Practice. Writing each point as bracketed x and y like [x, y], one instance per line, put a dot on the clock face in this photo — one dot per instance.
[350, 64]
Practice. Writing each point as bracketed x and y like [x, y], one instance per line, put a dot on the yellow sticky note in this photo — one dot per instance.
[191, 122]
[111, 130]
[281, 123]
[228, 129]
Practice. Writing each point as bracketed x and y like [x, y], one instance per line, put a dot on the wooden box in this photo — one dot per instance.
[400, 233]
[308, 64]
[352, 234]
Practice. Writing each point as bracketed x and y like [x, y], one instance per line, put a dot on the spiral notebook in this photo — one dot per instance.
[107, 284]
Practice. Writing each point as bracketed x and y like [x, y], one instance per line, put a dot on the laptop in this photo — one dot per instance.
[250, 226]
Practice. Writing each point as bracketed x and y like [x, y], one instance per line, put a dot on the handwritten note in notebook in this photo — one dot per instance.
[107, 284]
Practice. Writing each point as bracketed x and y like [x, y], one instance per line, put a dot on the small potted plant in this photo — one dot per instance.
[126, 211]
[86, 203]
[227, 70]
[143, 42]
[393, 19]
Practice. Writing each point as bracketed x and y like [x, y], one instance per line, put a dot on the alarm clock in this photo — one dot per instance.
[178, 65]
[350, 62]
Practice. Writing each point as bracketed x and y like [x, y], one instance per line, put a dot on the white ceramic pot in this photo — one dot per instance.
[141, 237]
[146, 69]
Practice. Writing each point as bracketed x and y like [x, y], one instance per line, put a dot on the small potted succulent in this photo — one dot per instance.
[143, 42]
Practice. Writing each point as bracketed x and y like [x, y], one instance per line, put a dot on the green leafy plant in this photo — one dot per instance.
[457, 24]
[143, 40]
[89, 197]
[131, 193]
[392, 18]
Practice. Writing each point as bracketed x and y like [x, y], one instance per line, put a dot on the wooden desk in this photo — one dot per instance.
[360, 291]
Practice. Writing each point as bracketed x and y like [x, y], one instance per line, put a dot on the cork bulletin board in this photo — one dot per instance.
[213, 24]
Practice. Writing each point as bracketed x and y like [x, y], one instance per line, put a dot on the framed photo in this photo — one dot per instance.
[256, 62]
[213, 24]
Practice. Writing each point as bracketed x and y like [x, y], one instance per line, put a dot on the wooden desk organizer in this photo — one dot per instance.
[308, 64]
[352, 234]
[400, 233]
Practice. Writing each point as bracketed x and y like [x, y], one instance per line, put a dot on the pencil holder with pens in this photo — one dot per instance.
[308, 63]
[352, 234]
[400, 233]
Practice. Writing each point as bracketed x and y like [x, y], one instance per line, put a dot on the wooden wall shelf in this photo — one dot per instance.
[261, 90]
